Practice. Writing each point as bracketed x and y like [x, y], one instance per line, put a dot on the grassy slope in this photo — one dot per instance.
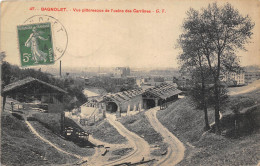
[104, 131]
[119, 153]
[20, 147]
[101, 130]
[140, 125]
[182, 119]
[186, 122]
[244, 100]
[68, 146]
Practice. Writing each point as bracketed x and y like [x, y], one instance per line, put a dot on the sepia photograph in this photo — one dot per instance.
[130, 82]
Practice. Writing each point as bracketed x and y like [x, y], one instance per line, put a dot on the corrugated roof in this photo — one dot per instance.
[26, 81]
[163, 91]
[123, 96]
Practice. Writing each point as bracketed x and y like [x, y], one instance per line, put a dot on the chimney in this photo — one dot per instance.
[60, 68]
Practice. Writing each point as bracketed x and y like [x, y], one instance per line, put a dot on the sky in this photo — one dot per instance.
[120, 39]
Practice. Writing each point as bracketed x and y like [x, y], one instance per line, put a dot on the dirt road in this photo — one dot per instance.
[141, 147]
[244, 89]
[176, 148]
[48, 142]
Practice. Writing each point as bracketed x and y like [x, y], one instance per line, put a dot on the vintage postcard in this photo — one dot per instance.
[130, 82]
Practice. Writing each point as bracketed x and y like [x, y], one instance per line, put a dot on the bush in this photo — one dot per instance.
[31, 119]
[140, 125]
[49, 120]
[241, 102]
[18, 116]
[122, 152]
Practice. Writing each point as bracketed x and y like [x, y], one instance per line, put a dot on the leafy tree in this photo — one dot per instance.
[221, 31]
[6, 74]
[192, 61]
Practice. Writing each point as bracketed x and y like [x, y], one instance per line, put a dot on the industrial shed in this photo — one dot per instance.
[36, 90]
[138, 99]
[160, 96]
[125, 101]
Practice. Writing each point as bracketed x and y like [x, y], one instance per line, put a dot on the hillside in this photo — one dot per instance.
[244, 89]
[20, 147]
[101, 130]
[187, 123]
[140, 125]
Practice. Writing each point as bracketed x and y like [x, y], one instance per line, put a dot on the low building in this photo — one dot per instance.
[35, 95]
[153, 81]
[33, 89]
[251, 76]
[168, 79]
[138, 99]
[234, 78]
[123, 102]
[121, 72]
[183, 81]
[160, 96]
[94, 92]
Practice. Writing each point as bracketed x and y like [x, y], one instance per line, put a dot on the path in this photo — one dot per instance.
[97, 158]
[48, 142]
[141, 147]
[176, 148]
[244, 89]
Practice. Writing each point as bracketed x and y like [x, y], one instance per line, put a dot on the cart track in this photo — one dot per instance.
[48, 142]
[176, 148]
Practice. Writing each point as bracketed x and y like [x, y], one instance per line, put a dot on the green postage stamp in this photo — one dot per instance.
[35, 44]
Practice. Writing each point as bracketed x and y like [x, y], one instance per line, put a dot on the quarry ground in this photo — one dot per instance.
[138, 137]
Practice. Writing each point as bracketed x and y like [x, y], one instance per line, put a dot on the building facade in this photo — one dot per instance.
[250, 77]
[234, 78]
[121, 72]
[138, 99]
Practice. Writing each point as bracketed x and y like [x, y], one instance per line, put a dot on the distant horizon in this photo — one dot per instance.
[94, 69]
[56, 65]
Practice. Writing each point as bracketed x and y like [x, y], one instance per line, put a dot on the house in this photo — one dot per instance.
[251, 76]
[168, 79]
[183, 81]
[234, 78]
[153, 81]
